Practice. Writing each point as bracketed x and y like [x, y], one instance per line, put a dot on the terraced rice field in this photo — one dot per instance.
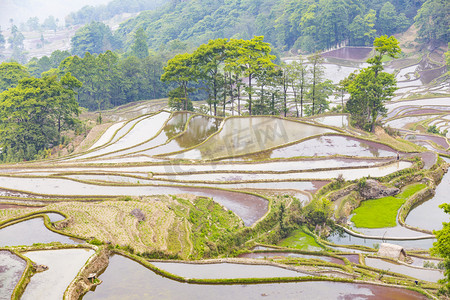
[181, 185]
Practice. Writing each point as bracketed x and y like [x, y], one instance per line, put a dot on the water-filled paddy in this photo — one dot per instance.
[428, 215]
[245, 135]
[11, 269]
[107, 135]
[125, 278]
[174, 126]
[63, 265]
[328, 146]
[249, 207]
[403, 122]
[428, 102]
[262, 255]
[422, 274]
[354, 53]
[143, 130]
[30, 232]
[347, 239]
[348, 174]
[225, 270]
[337, 121]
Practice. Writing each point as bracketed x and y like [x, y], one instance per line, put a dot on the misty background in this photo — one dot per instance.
[22, 10]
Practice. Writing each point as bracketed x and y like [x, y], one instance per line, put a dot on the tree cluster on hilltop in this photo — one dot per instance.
[233, 70]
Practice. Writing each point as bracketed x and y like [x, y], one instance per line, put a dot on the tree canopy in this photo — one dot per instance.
[309, 26]
[33, 114]
[94, 38]
[371, 87]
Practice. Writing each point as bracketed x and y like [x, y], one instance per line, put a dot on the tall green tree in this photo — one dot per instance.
[32, 113]
[433, 21]
[94, 38]
[2, 40]
[254, 58]
[181, 70]
[140, 47]
[362, 31]
[319, 88]
[10, 75]
[371, 87]
[209, 59]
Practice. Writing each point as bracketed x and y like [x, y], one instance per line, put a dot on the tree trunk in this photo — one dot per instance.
[231, 94]
[250, 94]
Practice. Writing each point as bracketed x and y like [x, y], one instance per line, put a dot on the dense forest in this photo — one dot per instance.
[288, 24]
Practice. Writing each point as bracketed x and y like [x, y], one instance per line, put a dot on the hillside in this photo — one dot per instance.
[286, 24]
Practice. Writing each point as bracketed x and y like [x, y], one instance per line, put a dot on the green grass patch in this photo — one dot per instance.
[380, 213]
[298, 239]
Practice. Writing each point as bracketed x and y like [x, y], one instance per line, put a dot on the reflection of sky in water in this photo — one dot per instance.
[428, 215]
[127, 279]
[333, 145]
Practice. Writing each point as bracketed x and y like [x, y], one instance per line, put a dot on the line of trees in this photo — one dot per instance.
[231, 70]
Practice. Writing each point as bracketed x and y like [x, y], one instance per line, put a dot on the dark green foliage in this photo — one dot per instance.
[433, 21]
[95, 241]
[287, 24]
[33, 114]
[11, 74]
[435, 130]
[318, 212]
[371, 87]
[140, 47]
[38, 66]
[111, 81]
[94, 38]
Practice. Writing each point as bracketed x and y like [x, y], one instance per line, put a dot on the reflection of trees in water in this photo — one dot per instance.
[199, 128]
[176, 124]
[373, 150]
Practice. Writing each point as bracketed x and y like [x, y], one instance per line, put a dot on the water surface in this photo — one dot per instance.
[63, 266]
[126, 279]
[11, 269]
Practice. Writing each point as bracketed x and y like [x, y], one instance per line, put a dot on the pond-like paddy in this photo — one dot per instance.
[249, 207]
[328, 146]
[225, 270]
[263, 255]
[428, 215]
[143, 130]
[348, 174]
[245, 135]
[63, 266]
[347, 239]
[30, 232]
[11, 269]
[126, 279]
[419, 273]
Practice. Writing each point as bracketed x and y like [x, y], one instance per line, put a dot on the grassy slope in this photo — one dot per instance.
[187, 228]
[300, 240]
[379, 213]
